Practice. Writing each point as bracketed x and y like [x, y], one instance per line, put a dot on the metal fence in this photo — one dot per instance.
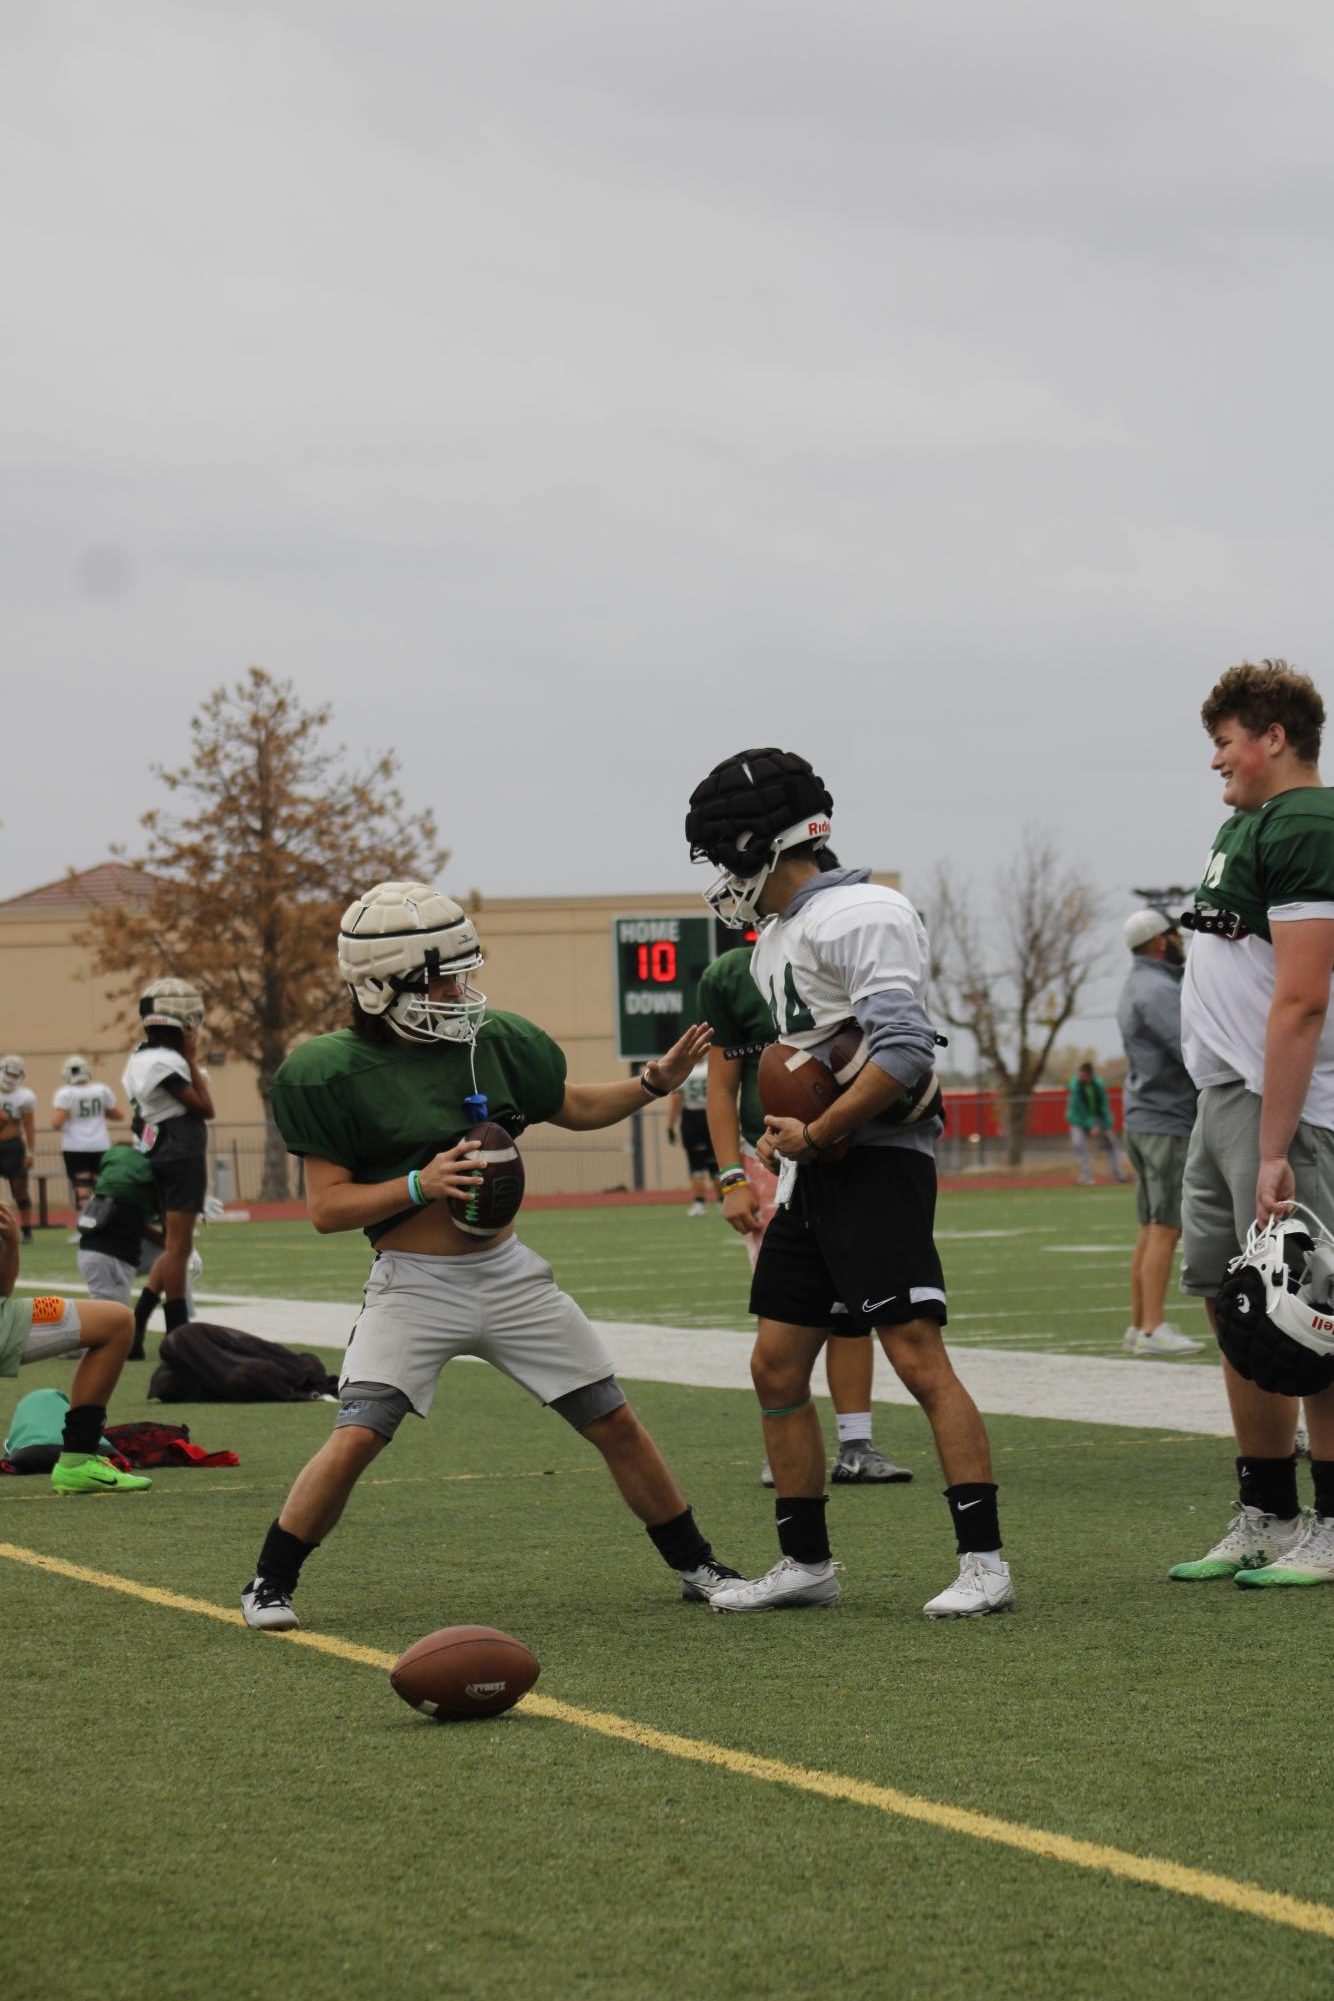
[634, 1154]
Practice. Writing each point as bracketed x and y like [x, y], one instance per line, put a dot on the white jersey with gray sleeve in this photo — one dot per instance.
[835, 950]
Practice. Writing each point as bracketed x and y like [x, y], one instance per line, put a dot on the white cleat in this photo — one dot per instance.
[267, 1607]
[1164, 1340]
[976, 1591]
[1130, 1338]
[788, 1583]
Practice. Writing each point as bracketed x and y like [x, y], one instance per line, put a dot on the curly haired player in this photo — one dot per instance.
[854, 1247]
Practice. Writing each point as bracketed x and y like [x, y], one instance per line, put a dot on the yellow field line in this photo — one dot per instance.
[1247, 1898]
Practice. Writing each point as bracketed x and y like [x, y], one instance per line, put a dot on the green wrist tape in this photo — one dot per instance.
[789, 1411]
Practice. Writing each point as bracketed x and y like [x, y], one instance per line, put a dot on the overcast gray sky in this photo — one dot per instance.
[575, 391]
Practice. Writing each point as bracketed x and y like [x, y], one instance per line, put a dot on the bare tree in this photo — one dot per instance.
[250, 881]
[1012, 975]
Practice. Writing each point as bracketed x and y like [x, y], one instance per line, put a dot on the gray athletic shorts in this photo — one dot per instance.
[1159, 1161]
[36, 1330]
[1218, 1198]
[106, 1277]
[501, 1305]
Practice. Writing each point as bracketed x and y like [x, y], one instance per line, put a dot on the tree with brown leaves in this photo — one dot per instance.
[278, 833]
[1013, 977]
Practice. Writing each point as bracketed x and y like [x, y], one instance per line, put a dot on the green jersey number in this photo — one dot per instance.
[795, 1014]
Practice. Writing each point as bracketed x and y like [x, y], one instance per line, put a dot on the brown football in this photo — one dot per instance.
[796, 1085]
[464, 1671]
[496, 1198]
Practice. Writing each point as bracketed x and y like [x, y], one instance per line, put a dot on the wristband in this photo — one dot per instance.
[415, 1195]
[813, 1144]
[732, 1177]
[652, 1090]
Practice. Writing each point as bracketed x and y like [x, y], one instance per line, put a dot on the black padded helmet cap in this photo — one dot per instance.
[1260, 1351]
[755, 792]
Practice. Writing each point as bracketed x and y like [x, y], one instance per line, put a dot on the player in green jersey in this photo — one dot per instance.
[378, 1111]
[1258, 1041]
[735, 1009]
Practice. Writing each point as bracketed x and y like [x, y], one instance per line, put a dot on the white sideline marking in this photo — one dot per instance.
[1089, 1389]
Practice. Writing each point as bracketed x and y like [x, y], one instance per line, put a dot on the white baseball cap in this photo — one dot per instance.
[1142, 925]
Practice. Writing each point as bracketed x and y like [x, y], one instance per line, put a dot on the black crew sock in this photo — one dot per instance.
[281, 1558]
[1269, 1485]
[176, 1312]
[83, 1428]
[679, 1542]
[974, 1513]
[802, 1534]
[1322, 1475]
[143, 1313]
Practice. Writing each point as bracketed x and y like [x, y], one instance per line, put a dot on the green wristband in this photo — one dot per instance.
[415, 1195]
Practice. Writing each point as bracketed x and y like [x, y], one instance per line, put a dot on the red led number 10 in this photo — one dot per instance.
[657, 962]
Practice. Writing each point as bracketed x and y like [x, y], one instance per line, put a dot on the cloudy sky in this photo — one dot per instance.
[575, 391]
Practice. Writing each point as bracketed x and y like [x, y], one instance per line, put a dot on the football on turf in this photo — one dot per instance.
[464, 1671]
[796, 1085]
[495, 1199]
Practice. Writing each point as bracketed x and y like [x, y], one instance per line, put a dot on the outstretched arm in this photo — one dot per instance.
[589, 1107]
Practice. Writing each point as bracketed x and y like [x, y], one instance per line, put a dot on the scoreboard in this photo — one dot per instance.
[656, 967]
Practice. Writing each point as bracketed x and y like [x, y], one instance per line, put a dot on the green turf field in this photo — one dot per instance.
[1030, 1269]
[198, 1810]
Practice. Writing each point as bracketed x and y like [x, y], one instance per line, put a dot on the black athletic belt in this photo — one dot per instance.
[1214, 923]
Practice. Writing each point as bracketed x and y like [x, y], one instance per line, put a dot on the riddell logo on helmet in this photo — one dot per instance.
[1322, 1326]
[818, 827]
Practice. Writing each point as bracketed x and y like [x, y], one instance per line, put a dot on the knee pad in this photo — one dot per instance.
[583, 1407]
[375, 1406]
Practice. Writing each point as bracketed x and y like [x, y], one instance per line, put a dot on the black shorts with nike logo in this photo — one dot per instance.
[855, 1250]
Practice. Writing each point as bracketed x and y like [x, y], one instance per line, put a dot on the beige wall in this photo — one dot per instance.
[549, 958]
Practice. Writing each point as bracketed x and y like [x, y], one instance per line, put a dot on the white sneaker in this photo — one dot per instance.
[1253, 1541]
[788, 1583]
[1309, 1560]
[976, 1590]
[1130, 1338]
[1164, 1340]
[766, 1475]
[268, 1607]
[697, 1209]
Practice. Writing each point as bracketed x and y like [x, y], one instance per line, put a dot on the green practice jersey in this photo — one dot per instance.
[734, 1008]
[126, 1176]
[380, 1111]
[1280, 854]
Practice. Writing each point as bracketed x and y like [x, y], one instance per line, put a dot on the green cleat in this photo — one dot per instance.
[1308, 1561]
[1253, 1539]
[95, 1476]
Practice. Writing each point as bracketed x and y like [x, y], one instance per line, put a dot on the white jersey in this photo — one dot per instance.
[85, 1130]
[836, 949]
[144, 1084]
[13, 1104]
[695, 1090]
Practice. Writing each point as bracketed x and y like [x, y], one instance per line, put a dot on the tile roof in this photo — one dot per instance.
[109, 883]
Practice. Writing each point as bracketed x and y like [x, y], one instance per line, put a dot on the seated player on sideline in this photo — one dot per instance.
[46, 1327]
[18, 1136]
[732, 1005]
[857, 1239]
[120, 1233]
[379, 1111]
